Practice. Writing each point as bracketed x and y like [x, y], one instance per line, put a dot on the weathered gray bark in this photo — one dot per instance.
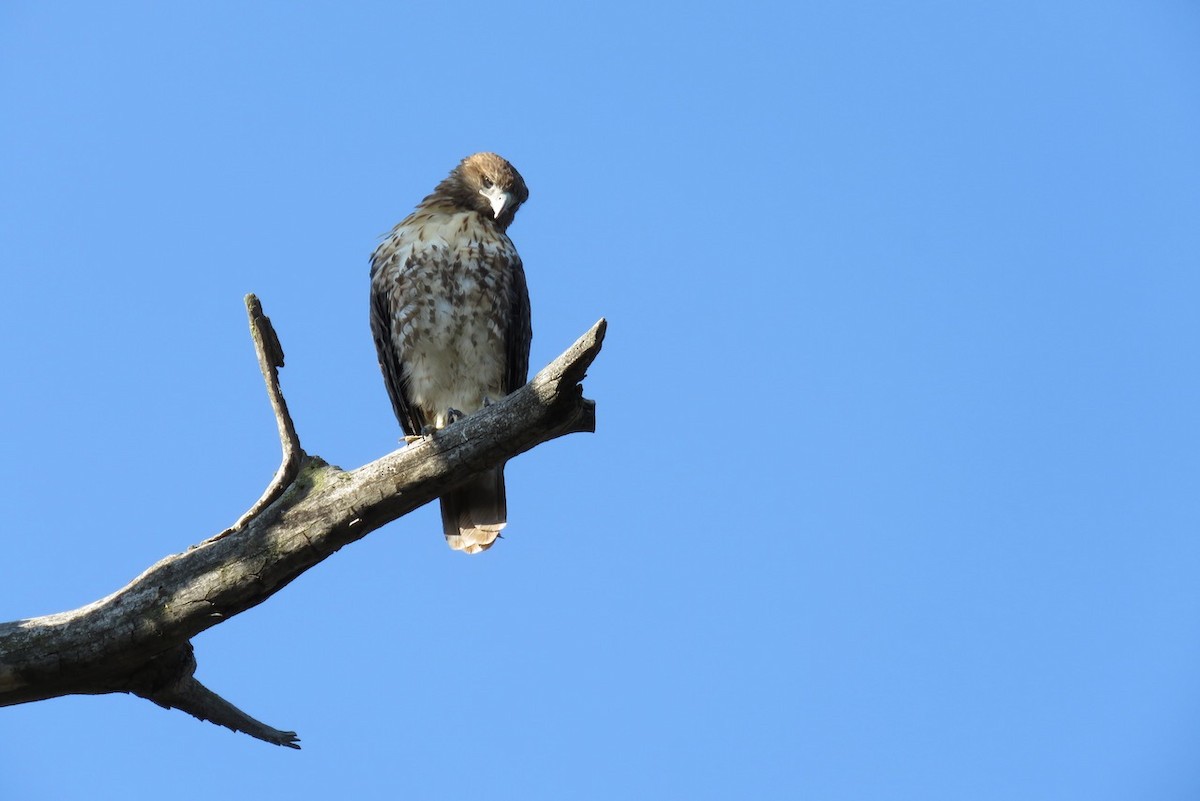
[138, 639]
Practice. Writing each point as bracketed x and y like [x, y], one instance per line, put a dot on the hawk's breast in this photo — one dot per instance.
[451, 296]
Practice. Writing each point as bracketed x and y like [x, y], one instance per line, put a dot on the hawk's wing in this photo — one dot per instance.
[382, 315]
[520, 331]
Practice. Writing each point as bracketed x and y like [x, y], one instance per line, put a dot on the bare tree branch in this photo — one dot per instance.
[138, 639]
[270, 359]
[174, 687]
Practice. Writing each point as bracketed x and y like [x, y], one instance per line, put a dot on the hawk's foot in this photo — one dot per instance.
[453, 416]
[426, 430]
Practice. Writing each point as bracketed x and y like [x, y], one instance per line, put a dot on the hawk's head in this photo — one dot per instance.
[488, 184]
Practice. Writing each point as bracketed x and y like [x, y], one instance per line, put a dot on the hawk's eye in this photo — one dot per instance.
[487, 183]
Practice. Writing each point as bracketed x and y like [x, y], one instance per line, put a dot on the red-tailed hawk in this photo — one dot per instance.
[450, 317]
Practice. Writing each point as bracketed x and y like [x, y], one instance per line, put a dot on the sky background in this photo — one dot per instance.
[894, 488]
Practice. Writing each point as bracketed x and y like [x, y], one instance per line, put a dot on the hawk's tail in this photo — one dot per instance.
[474, 514]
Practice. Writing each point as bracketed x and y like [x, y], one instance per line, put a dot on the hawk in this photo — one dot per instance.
[450, 318]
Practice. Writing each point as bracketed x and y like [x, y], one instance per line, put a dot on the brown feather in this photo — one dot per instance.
[474, 514]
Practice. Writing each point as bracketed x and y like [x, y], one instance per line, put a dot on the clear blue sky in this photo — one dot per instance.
[895, 488]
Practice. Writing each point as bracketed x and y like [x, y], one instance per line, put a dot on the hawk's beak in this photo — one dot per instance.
[498, 198]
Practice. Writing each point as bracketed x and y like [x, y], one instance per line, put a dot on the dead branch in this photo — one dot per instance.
[137, 640]
[270, 359]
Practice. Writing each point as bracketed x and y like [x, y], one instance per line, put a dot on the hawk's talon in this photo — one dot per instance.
[409, 439]
[453, 416]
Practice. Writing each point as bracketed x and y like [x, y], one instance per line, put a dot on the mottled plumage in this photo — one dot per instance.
[450, 317]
